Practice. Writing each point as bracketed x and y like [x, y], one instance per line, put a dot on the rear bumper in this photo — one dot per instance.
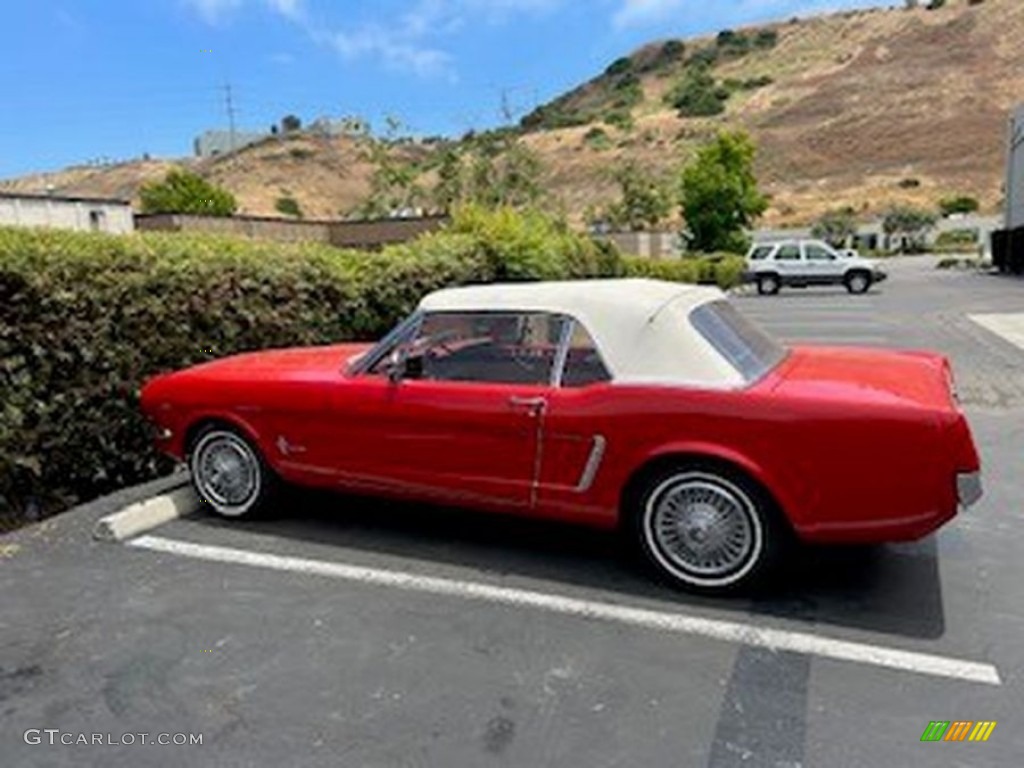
[969, 489]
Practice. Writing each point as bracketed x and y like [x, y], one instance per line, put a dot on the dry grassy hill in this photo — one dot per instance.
[862, 108]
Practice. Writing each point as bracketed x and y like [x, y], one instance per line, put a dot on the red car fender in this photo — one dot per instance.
[787, 492]
[231, 418]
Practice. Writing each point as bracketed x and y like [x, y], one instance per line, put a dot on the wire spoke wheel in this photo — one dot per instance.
[702, 529]
[227, 472]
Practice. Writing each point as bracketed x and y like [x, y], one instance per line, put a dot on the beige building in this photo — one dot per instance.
[85, 214]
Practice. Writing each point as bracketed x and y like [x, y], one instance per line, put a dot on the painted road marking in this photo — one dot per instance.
[1010, 326]
[728, 631]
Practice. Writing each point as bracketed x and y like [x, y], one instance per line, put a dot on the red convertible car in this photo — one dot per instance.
[652, 406]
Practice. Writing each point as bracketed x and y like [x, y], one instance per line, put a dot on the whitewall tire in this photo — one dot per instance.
[229, 474]
[706, 529]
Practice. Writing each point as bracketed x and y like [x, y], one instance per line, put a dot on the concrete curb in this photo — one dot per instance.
[145, 515]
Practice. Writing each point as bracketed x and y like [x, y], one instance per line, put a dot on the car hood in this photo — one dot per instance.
[883, 376]
[298, 363]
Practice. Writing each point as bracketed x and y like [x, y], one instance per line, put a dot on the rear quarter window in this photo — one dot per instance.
[751, 351]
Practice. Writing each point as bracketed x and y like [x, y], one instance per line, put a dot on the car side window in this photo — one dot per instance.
[487, 347]
[817, 253]
[761, 252]
[788, 252]
[583, 363]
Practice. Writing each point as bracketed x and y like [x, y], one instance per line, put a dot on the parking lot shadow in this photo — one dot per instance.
[889, 589]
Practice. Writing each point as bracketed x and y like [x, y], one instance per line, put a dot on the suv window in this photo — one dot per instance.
[493, 347]
[817, 253]
[583, 363]
[761, 252]
[788, 252]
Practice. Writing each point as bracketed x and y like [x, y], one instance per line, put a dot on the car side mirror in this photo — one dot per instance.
[400, 365]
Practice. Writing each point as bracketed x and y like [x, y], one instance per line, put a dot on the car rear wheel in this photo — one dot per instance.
[707, 529]
[229, 474]
[858, 282]
[768, 285]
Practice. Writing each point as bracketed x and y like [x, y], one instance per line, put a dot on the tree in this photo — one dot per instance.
[290, 123]
[909, 226]
[185, 192]
[504, 172]
[449, 189]
[835, 227]
[719, 194]
[644, 202]
[959, 204]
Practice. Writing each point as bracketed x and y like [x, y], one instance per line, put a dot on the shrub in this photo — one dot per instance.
[959, 204]
[723, 270]
[766, 38]
[186, 192]
[910, 183]
[705, 57]
[697, 95]
[619, 66]
[597, 138]
[85, 318]
[289, 206]
[621, 119]
[301, 153]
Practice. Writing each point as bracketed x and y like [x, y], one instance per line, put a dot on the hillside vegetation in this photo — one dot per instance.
[862, 109]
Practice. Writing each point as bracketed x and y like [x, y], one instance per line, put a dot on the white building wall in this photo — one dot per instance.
[83, 216]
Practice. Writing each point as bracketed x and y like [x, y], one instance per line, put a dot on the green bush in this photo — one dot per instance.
[85, 318]
[182, 191]
[696, 94]
[965, 204]
[597, 138]
[619, 66]
[289, 206]
[723, 270]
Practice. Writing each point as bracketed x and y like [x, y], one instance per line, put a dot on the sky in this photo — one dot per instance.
[106, 80]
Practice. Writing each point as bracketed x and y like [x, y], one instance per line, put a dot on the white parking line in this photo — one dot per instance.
[1009, 326]
[729, 631]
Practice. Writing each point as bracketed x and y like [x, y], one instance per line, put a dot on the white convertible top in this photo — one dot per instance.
[641, 327]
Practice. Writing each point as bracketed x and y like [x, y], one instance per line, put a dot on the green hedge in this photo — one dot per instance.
[723, 270]
[86, 318]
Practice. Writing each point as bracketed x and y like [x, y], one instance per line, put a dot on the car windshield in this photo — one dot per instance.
[748, 349]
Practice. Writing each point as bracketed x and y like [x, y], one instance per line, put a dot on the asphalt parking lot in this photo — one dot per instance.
[353, 633]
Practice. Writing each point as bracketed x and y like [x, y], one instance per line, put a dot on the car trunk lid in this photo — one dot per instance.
[884, 376]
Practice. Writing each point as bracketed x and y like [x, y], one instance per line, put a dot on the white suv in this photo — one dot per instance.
[800, 263]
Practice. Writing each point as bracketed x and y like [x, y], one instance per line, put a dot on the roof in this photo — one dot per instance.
[9, 195]
[641, 327]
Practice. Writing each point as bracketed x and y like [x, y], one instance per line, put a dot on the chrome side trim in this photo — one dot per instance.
[593, 464]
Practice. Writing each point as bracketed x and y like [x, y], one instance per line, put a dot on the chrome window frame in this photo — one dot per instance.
[409, 328]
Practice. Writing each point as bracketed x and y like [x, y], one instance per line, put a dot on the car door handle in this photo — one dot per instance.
[534, 404]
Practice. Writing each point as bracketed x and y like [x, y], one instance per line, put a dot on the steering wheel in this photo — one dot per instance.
[439, 341]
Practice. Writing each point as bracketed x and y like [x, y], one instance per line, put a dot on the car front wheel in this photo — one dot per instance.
[858, 282]
[768, 285]
[229, 474]
[707, 530]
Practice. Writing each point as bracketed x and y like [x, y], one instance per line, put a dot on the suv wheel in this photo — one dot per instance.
[858, 282]
[768, 285]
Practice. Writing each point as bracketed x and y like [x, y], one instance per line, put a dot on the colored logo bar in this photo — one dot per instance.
[958, 730]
